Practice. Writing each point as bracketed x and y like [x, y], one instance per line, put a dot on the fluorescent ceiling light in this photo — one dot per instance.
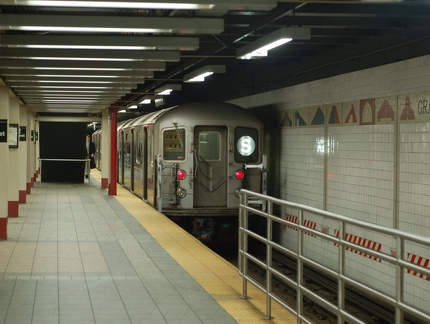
[132, 107]
[200, 74]
[159, 102]
[118, 4]
[146, 100]
[122, 111]
[90, 29]
[167, 89]
[100, 42]
[260, 47]
[88, 47]
[114, 24]
[223, 5]
[81, 59]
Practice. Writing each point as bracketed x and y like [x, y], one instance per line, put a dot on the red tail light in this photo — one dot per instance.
[239, 174]
[181, 174]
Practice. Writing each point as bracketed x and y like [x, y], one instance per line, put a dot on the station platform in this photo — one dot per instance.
[77, 255]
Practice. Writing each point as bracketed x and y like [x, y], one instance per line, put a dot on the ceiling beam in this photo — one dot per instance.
[74, 65]
[101, 42]
[75, 73]
[103, 24]
[89, 55]
[73, 79]
[219, 5]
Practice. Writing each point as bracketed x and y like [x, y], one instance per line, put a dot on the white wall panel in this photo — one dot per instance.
[370, 160]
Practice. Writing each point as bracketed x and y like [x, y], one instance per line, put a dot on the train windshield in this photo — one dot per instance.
[174, 144]
[209, 145]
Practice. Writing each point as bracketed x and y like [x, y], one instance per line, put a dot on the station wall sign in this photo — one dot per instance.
[3, 130]
[22, 133]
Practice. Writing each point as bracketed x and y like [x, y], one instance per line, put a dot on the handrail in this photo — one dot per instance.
[87, 163]
[339, 241]
[160, 167]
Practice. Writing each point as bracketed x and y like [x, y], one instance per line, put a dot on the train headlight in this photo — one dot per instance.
[239, 174]
[237, 192]
[181, 174]
[181, 193]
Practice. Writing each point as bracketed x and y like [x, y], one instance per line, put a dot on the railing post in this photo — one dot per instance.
[159, 170]
[300, 265]
[243, 243]
[269, 261]
[341, 271]
[399, 280]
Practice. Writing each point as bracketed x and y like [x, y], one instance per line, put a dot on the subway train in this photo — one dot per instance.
[190, 162]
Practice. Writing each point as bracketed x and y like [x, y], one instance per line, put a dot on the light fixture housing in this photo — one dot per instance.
[166, 89]
[200, 74]
[146, 100]
[260, 47]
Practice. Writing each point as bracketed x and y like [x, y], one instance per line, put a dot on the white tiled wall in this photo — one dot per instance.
[362, 169]
[377, 171]
[302, 168]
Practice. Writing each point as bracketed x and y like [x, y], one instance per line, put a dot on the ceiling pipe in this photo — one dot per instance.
[279, 12]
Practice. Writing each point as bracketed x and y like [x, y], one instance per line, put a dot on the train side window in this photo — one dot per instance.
[246, 145]
[139, 150]
[174, 144]
[209, 145]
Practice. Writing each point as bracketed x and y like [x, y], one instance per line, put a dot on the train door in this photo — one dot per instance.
[133, 157]
[151, 168]
[127, 159]
[145, 163]
[139, 166]
[120, 152]
[211, 166]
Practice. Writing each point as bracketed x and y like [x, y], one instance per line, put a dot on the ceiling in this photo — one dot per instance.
[56, 66]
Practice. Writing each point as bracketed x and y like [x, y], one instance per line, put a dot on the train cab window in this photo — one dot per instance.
[174, 144]
[246, 144]
[209, 145]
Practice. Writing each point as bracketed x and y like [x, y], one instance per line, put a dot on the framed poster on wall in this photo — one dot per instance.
[13, 135]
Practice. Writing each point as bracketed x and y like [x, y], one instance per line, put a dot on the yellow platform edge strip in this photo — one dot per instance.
[216, 275]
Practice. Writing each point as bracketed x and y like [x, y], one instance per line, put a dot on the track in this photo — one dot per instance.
[367, 310]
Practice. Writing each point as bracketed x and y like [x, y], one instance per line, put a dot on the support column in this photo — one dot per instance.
[105, 147]
[30, 152]
[4, 157]
[113, 147]
[13, 172]
[23, 154]
[36, 151]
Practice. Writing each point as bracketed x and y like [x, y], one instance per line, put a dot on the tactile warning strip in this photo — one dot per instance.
[216, 275]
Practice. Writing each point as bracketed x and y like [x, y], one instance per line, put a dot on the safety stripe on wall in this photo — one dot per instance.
[364, 243]
[306, 223]
[417, 260]
[375, 246]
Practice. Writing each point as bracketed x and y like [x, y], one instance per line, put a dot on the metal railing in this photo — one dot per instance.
[396, 300]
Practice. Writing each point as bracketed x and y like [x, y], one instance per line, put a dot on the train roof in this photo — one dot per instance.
[204, 111]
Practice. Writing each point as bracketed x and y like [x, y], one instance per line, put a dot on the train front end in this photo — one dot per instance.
[204, 163]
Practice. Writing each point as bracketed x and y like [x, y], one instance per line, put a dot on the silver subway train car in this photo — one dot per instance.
[192, 160]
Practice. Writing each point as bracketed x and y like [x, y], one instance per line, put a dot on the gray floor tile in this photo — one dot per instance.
[90, 261]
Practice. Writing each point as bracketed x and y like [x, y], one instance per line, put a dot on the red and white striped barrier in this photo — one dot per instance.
[306, 223]
[375, 246]
[417, 260]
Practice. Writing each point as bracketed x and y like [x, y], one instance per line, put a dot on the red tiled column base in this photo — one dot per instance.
[105, 182]
[3, 228]
[13, 207]
[28, 188]
[22, 196]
